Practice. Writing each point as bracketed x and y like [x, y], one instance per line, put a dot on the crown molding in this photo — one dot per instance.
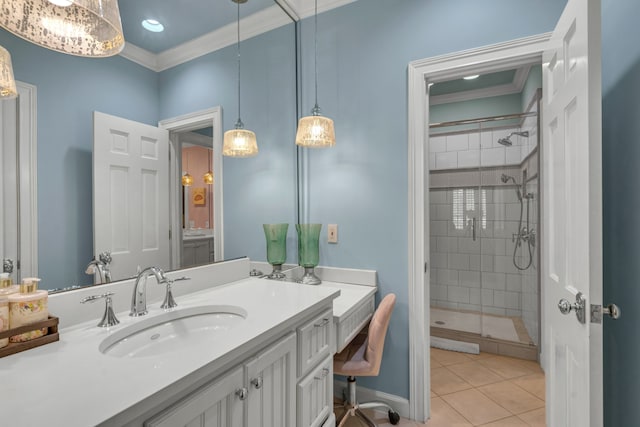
[140, 56]
[266, 20]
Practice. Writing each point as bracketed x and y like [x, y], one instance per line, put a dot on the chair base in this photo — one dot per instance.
[353, 408]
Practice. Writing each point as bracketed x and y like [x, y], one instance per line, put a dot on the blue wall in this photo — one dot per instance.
[260, 189]
[361, 183]
[621, 200]
[69, 89]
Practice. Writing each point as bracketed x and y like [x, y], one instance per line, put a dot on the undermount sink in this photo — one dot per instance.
[172, 331]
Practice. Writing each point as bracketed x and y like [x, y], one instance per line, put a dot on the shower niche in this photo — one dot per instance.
[483, 225]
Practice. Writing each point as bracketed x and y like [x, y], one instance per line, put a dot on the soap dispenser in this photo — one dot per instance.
[27, 307]
[6, 285]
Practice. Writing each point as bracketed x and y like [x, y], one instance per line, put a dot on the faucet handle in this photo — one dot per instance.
[169, 302]
[108, 318]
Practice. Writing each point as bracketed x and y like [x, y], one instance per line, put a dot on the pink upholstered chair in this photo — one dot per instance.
[362, 358]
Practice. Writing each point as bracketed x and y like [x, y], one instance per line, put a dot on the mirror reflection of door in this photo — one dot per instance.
[197, 199]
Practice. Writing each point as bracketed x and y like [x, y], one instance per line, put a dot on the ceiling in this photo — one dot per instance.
[183, 20]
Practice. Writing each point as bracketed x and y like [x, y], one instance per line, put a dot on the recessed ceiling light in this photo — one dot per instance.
[475, 76]
[152, 25]
[61, 3]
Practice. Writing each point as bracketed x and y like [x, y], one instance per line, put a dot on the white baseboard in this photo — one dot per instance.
[400, 404]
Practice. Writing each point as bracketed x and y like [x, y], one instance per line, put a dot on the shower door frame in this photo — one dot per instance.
[420, 73]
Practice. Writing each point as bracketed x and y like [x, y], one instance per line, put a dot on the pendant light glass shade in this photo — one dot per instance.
[316, 131]
[7, 82]
[77, 27]
[208, 178]
[239, 142]
[187, 180]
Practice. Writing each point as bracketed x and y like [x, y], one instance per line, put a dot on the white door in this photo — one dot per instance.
[572, 216]
[131, 208]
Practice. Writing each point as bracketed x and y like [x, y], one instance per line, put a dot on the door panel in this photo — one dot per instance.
[572, 213]
[131, 203]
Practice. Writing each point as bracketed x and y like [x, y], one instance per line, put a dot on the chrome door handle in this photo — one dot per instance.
[610, 310]
[579, 307]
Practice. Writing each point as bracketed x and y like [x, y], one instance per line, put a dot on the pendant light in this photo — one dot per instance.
[208, 178]
[7, 82]
[239, 142]
[89, 28]
[187, 180]
[316, 131]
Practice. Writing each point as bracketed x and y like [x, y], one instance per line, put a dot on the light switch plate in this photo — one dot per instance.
[332, 233]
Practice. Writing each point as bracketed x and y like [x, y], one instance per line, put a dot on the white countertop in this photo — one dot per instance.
[71, 383]
[351, 296]
[196, 234]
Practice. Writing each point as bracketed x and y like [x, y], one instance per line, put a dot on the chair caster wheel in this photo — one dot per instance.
[394, 417]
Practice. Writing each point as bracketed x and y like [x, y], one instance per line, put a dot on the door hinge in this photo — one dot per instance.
[426, 266]
[169, 234]
[597, 311]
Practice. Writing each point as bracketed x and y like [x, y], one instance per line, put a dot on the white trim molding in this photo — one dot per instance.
[253, 25]
[507, 55]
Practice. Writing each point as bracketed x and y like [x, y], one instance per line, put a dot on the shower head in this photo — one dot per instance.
[506, 141]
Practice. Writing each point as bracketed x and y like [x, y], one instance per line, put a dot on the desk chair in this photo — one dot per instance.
[362, 358]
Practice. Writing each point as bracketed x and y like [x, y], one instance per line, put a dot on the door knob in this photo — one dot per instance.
[610, 310]
[566, 307]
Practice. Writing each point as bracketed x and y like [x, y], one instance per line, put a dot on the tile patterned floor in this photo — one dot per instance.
[479, 390]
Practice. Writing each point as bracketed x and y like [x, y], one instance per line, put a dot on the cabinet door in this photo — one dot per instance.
[271, 380]
[188, 254]
[202, 252]
[315, 395]
[215, 405]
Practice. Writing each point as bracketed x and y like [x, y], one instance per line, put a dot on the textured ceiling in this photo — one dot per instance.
[183, 20]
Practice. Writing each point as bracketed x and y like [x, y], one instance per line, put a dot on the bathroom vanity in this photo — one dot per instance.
[272, 362]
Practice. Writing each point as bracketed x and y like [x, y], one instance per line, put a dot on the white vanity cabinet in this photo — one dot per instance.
[218, 404]
[273, 388]
[271, 379]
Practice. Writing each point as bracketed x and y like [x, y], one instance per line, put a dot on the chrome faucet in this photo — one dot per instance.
[139, 298]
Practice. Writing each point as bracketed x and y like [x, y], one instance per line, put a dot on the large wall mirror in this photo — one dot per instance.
[158, 78]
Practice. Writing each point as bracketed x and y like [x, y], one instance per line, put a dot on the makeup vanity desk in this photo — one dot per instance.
[352, 310]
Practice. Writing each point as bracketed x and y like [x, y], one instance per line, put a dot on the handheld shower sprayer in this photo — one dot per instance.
[506, 178]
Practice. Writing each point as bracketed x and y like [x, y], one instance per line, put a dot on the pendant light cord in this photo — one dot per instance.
[239, 122]
[315, 47]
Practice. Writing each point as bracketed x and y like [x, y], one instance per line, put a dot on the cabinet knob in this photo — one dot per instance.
[257, 382]
[324, 322]
[325, 372]
[242, 393]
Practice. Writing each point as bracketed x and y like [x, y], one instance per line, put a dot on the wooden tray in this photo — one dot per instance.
[15, 347]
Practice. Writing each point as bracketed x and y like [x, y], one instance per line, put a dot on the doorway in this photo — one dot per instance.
[197, 127]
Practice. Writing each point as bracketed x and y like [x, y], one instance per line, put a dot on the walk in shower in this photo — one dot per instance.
[484, 227]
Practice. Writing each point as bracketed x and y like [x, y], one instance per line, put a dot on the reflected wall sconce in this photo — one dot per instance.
[187, 179]
[316, 131]
[208, 178]
[239, 142]
[7, 82]
[89, 28]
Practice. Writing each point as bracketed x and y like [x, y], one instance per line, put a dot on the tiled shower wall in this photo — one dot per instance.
[480, 275]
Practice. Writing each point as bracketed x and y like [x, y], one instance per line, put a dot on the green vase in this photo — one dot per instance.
[309, 251]
[276, 235]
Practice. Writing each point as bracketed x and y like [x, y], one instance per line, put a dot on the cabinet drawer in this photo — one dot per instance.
[315, 395]
[315, 341]
[352, 324]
